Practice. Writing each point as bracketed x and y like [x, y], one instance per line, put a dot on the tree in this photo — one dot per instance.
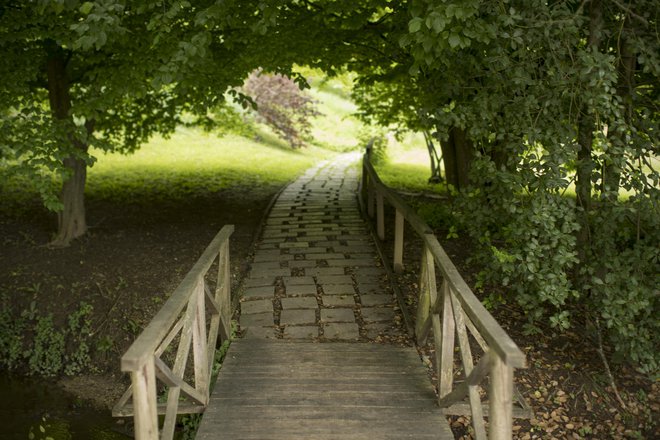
[109, 74]
[282, 105]
[547, 94]
[530, 100]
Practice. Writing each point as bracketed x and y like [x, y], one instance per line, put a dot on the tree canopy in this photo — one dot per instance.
[529, 100]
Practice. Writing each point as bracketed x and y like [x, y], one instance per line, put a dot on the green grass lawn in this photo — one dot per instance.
[407, 166]
[191, 162]
[195, 161]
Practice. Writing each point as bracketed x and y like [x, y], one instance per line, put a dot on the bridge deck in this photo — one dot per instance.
[319, 356]
[270, 389]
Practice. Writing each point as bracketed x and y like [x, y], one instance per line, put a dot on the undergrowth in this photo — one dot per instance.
[30, 341]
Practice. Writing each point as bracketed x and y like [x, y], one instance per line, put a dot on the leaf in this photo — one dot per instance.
[454, 40]
[86, 7]
[415, 25]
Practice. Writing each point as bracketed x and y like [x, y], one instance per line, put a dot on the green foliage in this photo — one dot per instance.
[543, 91]
[623, 274]
[11, 337]
[376, 139]
[32, 340]
[79, 333]
[526, 239]
[46, 355]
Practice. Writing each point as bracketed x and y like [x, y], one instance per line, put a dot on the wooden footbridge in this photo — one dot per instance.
[321, 355]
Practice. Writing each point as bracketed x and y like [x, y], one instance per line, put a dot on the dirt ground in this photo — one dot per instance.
[135, 255]
[125, 267]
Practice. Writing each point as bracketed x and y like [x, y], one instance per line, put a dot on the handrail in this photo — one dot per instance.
[183, 316]
[451, 311]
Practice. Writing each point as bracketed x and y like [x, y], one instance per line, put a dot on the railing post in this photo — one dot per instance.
[380, 216]
[371, 199]
[501, 400]
[446, 366]
[145, 413]
[398, 242]
[199, 340]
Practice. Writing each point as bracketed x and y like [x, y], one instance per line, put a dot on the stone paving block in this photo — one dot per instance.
[361, 262]
[361, 249]
[301, 289]
[311, 250]
[259, 292]
[328, 256]
[338, 289]
[259, 281]
[298, 281]
[301, 332]
[338, 300]
[343, 262]
[267, 265]
[256, 332]
[337, 315]
[303, 302]
[373, 271]
[327, 243]
[377, 314]
[294, 245]
[376, 328]
[324, 271]
[302, 263]
[298, 316]
[335, 279]
[271, 273]
[364, 256]
[376, 300]
[315, 237]
[339, 330]
[256, 306]
[267, 255]
[370, 288]
[257, 320]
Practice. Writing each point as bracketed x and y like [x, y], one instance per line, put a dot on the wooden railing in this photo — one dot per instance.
[191, 318]
[452, 312]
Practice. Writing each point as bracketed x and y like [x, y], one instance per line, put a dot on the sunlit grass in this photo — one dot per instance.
[337, 127]
[192, 161]
[408, 166]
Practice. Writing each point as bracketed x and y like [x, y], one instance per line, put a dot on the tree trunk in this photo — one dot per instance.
[586, 127]
[449, 159]
[457, 154]
[71, 220]
[625, 89]
[436, 175]
[464, 156]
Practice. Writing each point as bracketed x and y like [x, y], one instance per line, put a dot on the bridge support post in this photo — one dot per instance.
[144, 401]
[398, 242]
[501, 401]
[380, 216]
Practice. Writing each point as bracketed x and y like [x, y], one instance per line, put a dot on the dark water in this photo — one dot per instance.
[25, 402]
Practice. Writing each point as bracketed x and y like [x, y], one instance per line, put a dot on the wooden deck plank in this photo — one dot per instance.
[270, 390]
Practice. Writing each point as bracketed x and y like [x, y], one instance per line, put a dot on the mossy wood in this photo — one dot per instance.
[450, 314]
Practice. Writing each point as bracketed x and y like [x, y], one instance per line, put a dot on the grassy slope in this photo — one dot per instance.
[193, 161]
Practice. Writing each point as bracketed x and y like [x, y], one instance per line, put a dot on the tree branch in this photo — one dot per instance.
[630, 11]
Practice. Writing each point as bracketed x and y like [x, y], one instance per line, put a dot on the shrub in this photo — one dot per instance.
[282, 105]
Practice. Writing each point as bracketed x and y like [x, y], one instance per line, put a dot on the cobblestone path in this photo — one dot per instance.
[316, 274]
